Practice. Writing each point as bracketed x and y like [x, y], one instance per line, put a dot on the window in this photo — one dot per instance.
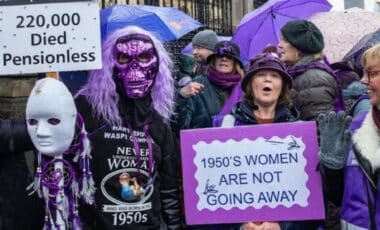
[353, 3]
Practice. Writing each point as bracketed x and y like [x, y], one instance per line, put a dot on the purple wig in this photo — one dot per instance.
[100, 89]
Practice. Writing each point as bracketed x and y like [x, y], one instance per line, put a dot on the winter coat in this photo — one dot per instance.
[198, 111]
[314, 91]
[17, 209]
[361, 199]
[142, 148]
[243, 113]
[354, 100]
[345, 73]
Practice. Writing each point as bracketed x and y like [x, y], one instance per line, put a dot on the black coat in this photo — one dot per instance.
[17, 209]
[243, 113]
[114, 153]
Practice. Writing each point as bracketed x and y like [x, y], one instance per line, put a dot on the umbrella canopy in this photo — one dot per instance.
[189, 47]
[262, 26]
[356, 52]
[343, 29]
[167, 23]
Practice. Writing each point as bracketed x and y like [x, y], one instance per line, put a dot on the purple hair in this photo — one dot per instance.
[100, 90]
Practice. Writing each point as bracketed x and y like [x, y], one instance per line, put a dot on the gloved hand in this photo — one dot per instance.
[335, 139]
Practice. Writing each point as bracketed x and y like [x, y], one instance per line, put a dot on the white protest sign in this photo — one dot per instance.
[251, 173]
[49, 37]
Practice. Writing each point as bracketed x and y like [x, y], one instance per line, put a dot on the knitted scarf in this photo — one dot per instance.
[223, 80]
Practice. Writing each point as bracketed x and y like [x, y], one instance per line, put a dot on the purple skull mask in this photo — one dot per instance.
[136, 64]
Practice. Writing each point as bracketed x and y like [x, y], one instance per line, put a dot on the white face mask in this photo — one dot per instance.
[51, 117]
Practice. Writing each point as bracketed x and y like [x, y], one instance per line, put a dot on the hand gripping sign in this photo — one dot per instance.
[251, 173]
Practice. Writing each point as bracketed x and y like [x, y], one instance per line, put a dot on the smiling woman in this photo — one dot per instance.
[217, 91]
[315, 88]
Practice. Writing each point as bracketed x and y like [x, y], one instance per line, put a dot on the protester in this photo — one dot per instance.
[267, 99]
[203, 44]
[17, 210]
[271, 49]
[126, 107]
[356, 99]
[315, 90]
[186, 63]
[218, 89]
[361, 200]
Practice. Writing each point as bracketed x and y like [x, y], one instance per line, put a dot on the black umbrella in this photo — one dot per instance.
[356, 52]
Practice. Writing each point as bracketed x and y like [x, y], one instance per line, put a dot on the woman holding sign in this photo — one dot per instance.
[266, 93]
[266, 100]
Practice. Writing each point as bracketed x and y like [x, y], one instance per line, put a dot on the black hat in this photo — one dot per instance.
[304, 35]
[226, 48]
[266, 61]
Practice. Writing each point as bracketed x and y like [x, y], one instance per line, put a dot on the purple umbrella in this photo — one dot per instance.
[262, 26]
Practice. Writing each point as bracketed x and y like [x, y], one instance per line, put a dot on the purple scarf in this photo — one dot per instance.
[295, 71]
[223, 80]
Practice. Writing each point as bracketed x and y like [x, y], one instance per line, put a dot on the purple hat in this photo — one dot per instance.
[266, 61]
[226, 48]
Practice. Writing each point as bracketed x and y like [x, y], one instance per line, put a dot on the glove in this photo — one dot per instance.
[335, 139]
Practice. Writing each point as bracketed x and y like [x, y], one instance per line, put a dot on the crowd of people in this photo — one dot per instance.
[133, 110]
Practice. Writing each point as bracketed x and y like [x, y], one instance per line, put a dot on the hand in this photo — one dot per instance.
[335, 139]
[191, 89]
[261, 226]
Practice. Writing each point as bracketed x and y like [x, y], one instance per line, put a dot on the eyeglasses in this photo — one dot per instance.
[371, 74]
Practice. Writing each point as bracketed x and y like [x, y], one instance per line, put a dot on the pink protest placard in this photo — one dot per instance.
[251, 173]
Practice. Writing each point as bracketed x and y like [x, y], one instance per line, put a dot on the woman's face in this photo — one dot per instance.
[371, 78]
[266, 86]
[288, 53]
[224, 64]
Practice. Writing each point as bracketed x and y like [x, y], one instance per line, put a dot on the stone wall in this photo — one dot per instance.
[14, 92]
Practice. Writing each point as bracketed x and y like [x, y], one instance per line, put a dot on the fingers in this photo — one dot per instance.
[331, 121]
[340, 118]
[251, 226]
[196, 88]
[347, 139]
[347, 122]
[191, 89]
[321, 121]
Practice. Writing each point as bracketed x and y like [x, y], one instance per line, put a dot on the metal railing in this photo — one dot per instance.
[213, 14]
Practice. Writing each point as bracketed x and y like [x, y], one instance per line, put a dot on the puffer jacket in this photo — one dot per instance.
[314, 91]
[243, 114]
[361, 199]
[17, 210]
[198, 111]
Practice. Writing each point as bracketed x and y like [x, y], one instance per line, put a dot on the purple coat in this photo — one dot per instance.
[361, 199]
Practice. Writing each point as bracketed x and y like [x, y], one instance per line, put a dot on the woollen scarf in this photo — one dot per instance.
[223, 80]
